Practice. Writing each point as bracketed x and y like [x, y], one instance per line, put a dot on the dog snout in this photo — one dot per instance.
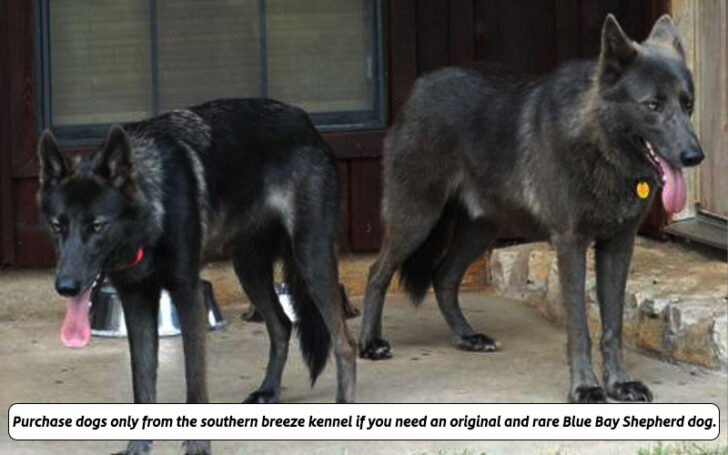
[68, 287]
[691, 156]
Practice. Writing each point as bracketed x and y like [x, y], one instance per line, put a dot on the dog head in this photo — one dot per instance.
[88, 206]
[647, 96]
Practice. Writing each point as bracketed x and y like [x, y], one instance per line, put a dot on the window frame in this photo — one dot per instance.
[375, 118]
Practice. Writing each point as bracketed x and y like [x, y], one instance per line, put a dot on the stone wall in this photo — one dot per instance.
[675, 303]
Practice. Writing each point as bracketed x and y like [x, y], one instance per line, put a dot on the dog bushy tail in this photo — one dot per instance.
[417, 271]
[313, 335]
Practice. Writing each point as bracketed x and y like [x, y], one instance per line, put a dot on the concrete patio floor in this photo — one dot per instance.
[425, 368]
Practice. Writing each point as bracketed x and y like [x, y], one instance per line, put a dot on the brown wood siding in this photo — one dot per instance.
[7, 228]
[22, 103]
[402, 46]
[32, 244]
[420, 35]
[344, 213]
[366, 194]
[17, 116]
[461, 20]
[516, 33]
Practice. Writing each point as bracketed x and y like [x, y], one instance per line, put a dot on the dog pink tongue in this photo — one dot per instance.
[673, 193]
[76, 329]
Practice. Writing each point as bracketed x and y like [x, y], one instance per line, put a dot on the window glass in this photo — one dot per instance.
[99, 55]
[207, 53]
[320, 54]
[108, 61]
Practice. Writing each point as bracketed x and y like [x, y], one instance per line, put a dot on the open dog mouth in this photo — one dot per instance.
[672, 179]
[76, 328]
[652, 158]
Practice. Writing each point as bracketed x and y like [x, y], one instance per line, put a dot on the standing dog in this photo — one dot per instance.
[575, 157]
[248, 178]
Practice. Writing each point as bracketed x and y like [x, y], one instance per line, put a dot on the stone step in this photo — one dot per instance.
[675, 301]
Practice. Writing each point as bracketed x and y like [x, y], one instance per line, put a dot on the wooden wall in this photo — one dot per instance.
[421, 35]
[6, 209]
[712, 81]
[24, 241]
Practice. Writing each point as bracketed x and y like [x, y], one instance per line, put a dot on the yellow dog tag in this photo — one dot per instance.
[643, 190]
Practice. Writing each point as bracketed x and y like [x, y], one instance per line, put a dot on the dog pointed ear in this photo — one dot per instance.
[665, 33]
[54, 165]
[617, 52]
[113, 161]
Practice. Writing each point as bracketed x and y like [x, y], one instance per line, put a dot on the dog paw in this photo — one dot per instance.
[376, 349]
[351, 312]
[261, 397]
[476, 342]
[196, 448]
[251, 315]
[588, 394]
[630, 391]
[136, 448]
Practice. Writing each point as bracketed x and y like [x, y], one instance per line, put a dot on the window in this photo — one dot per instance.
[114, 61]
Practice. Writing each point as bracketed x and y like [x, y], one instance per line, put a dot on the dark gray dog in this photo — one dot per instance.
[247, 178]
[575, 157]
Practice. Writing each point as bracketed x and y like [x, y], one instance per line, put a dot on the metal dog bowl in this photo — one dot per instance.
[107, 316]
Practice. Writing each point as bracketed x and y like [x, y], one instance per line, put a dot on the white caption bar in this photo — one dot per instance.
[363, 421]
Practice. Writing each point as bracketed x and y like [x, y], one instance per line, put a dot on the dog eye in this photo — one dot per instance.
[55, 226]
[98, 226]
[653, 105]
[688, 105]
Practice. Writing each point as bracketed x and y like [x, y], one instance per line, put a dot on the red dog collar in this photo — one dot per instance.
[138, 258]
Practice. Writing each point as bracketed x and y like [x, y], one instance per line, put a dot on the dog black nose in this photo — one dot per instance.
[68, 287]
[691, 156]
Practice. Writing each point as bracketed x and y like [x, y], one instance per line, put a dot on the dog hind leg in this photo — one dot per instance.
[402, 238]
[315, 260]
[255, 273]
[470, 239]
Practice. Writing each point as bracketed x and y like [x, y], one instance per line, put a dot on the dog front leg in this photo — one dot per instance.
[571, 258]
[613, 257]
[141, 306]
[187, 298]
